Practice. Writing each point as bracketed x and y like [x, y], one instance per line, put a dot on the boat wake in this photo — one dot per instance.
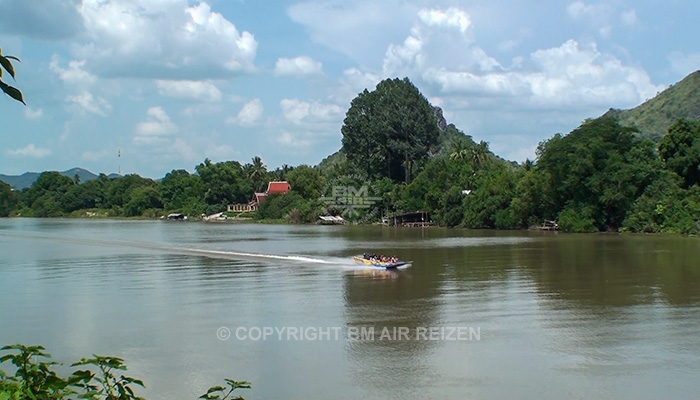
[329, 261]
[247, 255]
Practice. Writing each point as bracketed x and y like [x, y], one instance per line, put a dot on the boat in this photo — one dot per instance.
[379, 264]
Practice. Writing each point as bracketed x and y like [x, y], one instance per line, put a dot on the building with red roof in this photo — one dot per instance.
[275, 187]
[279, 187]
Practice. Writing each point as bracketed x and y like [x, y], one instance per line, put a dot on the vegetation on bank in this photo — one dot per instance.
[96, 378]
[398, 151]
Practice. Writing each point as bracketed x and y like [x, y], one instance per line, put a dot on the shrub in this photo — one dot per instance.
[574, 219]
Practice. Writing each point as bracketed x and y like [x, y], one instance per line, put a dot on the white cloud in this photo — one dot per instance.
[218, 151]
[249, 114]
[184, 150]
[298, 112]
[156, 126]
[204, 91]
[629, 17]
[564, 76]
[439, 38]
[601, 16]
[450, 18]
[360, 29]
[166, 38]
[74, 77]
[440, 51]
[86, 102]
[31, 113]
[201, 109]
[290, 140]
[94, 155]
[30, 151]
[405, 56]
[576, 9]
[684, 64]
[308, 123]
[580, 10]
[79, 83]
[357, 81]
[351, 84]
[513, 147]
[301, 65]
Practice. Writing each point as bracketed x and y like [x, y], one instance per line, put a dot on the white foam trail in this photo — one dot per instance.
[254, 255]
[335, 262]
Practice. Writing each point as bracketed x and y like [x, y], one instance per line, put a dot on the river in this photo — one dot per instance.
[478, 314]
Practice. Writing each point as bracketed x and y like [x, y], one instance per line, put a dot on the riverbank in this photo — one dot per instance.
[106, 215]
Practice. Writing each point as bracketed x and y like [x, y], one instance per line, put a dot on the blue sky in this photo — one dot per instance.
[172, 82]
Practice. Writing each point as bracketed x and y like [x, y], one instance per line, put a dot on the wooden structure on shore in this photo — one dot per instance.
[547, 225]
[413, 219]
[331, 220]
[242, 208]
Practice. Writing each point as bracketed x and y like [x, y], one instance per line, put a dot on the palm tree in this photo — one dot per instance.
[459, 149]
[480, 154]
[257, 173]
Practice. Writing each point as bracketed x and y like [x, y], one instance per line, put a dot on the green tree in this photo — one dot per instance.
[119, 190]
[7, 199]
[45, 194]
[363, 142]
[531, 204]
[278, 206]
[487, 206]
[224, 183]
[141, 199]
[596, 172]
[6, 64]
[78, 197]
[181, 191]
[390, 131]
[459, 150]
[680, 150]
[257, 173]
[479, 154]
[306, 181]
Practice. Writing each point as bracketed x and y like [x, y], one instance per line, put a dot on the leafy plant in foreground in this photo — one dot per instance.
[35, 379]
[9, 90]
[109, 386]
[215, 392]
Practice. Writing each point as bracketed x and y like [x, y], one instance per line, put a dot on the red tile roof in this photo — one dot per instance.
[272, 188]
[257, 198]
[277, 187]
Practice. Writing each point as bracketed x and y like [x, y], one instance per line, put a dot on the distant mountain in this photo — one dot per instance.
[26, 180]
[653, 117]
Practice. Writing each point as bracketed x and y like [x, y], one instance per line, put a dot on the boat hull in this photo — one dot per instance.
[379, 264]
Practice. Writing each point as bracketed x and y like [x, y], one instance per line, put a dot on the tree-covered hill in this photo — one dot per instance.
[656, 115]
[19, 182]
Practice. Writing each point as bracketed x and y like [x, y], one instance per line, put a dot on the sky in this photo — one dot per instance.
[149, 86]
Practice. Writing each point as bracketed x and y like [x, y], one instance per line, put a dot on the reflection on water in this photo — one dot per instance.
[555, 312]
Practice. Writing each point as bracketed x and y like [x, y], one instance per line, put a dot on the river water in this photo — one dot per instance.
[479, 314]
